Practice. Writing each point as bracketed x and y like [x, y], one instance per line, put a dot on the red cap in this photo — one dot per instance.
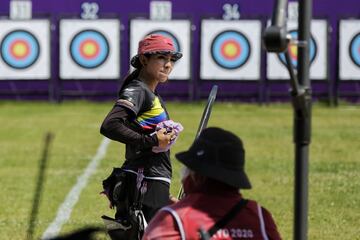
[152, 44]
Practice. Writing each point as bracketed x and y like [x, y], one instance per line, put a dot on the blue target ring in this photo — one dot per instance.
[230, 49]
[89, 49]
[169, 35]
[19, 49]
[293, 50]
[354, 49]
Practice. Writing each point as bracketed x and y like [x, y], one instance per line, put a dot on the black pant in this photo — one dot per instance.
[155, 197]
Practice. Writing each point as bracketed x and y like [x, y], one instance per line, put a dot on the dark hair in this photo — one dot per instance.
[133, 75]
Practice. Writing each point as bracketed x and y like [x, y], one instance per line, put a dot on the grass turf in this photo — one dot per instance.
[334, 167]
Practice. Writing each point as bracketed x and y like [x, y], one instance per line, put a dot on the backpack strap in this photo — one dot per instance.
[177, 220]
[223, 221]
[141, 188]
[262, 223]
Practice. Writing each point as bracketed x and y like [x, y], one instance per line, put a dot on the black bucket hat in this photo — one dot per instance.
[217, 154]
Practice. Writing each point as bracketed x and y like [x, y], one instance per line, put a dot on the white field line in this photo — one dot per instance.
[64, 211]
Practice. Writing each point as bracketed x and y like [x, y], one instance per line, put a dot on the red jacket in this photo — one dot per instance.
[203, 208]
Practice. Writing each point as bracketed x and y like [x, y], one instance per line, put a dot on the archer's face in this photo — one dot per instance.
[159, 66]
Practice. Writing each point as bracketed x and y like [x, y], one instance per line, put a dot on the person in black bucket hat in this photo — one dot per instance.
[213, 204]
[220, 155]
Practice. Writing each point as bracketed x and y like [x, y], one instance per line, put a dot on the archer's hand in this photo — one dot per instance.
[164, 137]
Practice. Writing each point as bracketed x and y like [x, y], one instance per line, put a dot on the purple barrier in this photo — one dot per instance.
[260, 91]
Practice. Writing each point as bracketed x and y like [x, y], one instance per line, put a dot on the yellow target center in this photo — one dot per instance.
[89, 49]
[230, 50]
[293, 50]
[20, 49]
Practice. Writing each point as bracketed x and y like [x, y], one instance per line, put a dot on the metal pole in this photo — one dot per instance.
[302, 124]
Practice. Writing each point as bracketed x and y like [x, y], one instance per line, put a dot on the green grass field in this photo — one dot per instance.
[334, 174]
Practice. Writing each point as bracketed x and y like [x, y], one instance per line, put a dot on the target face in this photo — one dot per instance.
[89, 49]
[318, 47]
[230, 49]
[349, 49]
[25, 52]
[293, 50]
[354, 49]
[19, 49]
[169, 35]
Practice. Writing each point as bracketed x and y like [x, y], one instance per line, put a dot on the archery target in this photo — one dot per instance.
[354, 49]
[20, 49]
[230, 50]
[24, 49]
[318, 50]
[349, 55]
[89, 49]
[177, 30]
[293, 51]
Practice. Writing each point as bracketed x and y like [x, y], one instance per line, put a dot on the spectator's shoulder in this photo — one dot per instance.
[162, 226]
